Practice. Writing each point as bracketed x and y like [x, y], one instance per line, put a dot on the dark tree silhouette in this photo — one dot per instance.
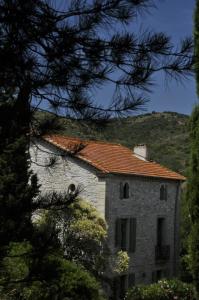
[60, 58]
[192, 196]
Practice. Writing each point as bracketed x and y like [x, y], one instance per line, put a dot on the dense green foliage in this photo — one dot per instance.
[166, 134]
[15, 192]
[84, 239]
[196, 44]
[32, 262]
[185, 226]
[163, 290]
[193, 197]
[38, 268]
[57, 58]
[58, 279]
[83, 234]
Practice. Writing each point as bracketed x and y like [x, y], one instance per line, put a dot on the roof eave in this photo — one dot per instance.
[183, 179]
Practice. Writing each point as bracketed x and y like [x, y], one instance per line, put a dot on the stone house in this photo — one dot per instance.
[138, 198]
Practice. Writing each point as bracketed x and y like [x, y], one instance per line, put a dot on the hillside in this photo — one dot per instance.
[166, 135]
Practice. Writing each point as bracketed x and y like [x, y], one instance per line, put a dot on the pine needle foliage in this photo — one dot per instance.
[196, 44]
[193, 197]
[193, 179]
[58, 57]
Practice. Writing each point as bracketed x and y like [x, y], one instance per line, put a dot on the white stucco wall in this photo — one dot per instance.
[66, 171]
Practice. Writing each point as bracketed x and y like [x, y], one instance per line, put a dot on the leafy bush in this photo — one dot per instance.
[163, 290]
[60, 279]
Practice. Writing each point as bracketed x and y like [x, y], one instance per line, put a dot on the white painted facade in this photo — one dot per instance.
[143, 204]
[67, 170]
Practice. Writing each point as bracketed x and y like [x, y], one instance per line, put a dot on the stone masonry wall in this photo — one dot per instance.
[66, 171]
[145, 205]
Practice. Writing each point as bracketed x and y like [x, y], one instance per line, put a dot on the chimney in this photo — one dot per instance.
[141, 152]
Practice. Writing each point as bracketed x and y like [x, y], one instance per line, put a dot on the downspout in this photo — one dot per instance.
[176, 232]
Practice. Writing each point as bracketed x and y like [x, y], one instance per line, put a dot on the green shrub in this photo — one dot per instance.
[163, 290]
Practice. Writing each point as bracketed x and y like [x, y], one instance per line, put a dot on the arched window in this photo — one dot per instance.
[163, 192]
[124, 190]
[71, 188]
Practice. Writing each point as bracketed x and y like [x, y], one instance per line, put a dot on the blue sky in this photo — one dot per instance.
[174, 17]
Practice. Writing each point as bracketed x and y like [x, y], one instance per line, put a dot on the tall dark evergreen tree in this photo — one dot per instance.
[193, 179]
[193, 197]
[196, 44]
[59, 58]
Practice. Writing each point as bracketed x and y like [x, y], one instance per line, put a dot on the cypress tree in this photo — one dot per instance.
[196, 44]
[193, 197]
[17, 185]
[193, 178]
[54, 57]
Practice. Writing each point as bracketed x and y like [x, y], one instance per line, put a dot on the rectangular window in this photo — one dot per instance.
[160, 231]
[163, 192]
[162, 249]
[125, 234]
[132, 235]
[124, 230]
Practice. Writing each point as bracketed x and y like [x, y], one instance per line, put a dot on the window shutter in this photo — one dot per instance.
[132, 235]
[118, 233]
[131, 280]
[121, 190]
[165, 192]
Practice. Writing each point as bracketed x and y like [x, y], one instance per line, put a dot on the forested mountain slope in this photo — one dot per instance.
[166, 135]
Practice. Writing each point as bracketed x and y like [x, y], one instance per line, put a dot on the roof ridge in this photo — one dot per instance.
[84, 140]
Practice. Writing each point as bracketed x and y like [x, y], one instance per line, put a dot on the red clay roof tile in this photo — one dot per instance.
[111, 158]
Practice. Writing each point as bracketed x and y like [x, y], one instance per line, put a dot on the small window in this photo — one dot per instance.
[124, 190]
[163, 192]
[72, 188]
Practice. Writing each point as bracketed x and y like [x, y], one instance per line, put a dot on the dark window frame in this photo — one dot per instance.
[125, 234]
[163, 192]
[124, 190]
[161, 221]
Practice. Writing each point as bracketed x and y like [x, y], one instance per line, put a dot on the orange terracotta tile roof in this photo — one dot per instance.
[111, 158]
